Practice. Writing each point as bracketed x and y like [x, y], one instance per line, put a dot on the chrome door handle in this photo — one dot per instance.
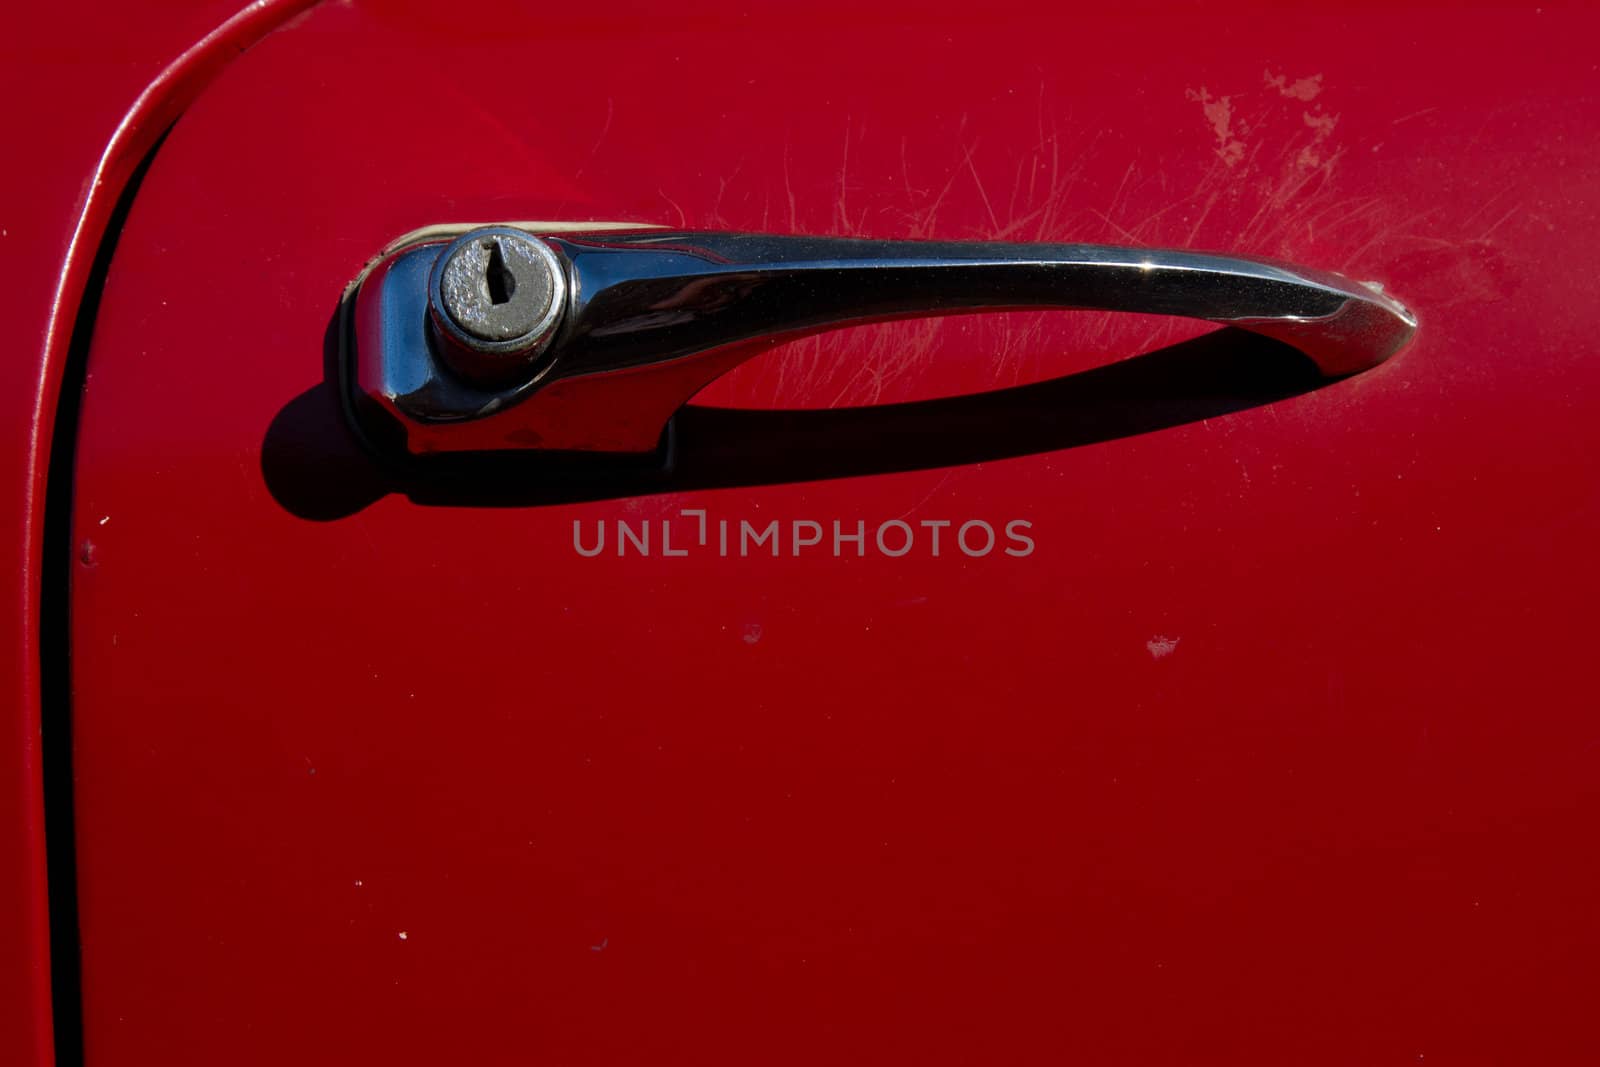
[588, 338]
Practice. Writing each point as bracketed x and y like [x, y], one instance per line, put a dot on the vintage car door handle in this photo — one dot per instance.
[588, 338]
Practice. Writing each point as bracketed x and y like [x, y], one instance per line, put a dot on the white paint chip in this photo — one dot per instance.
[1162, 646]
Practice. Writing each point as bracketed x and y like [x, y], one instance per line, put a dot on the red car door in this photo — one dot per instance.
[1258, 727]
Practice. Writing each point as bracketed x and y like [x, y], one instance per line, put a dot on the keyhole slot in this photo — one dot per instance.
[497, 277]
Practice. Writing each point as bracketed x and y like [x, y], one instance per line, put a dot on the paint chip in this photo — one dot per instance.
[1303, 89]
[1162, 646]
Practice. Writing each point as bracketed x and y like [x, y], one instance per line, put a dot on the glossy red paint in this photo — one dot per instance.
[1279, 747]
[91, 89]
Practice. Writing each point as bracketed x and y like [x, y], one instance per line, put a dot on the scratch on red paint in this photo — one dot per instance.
[1267, 183]
[683, 219]
[605, 128]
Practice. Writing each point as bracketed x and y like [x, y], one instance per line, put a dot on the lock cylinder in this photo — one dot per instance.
[495, 299]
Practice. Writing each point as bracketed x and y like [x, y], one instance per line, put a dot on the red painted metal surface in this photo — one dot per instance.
[91, 89]
[1279, 746]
